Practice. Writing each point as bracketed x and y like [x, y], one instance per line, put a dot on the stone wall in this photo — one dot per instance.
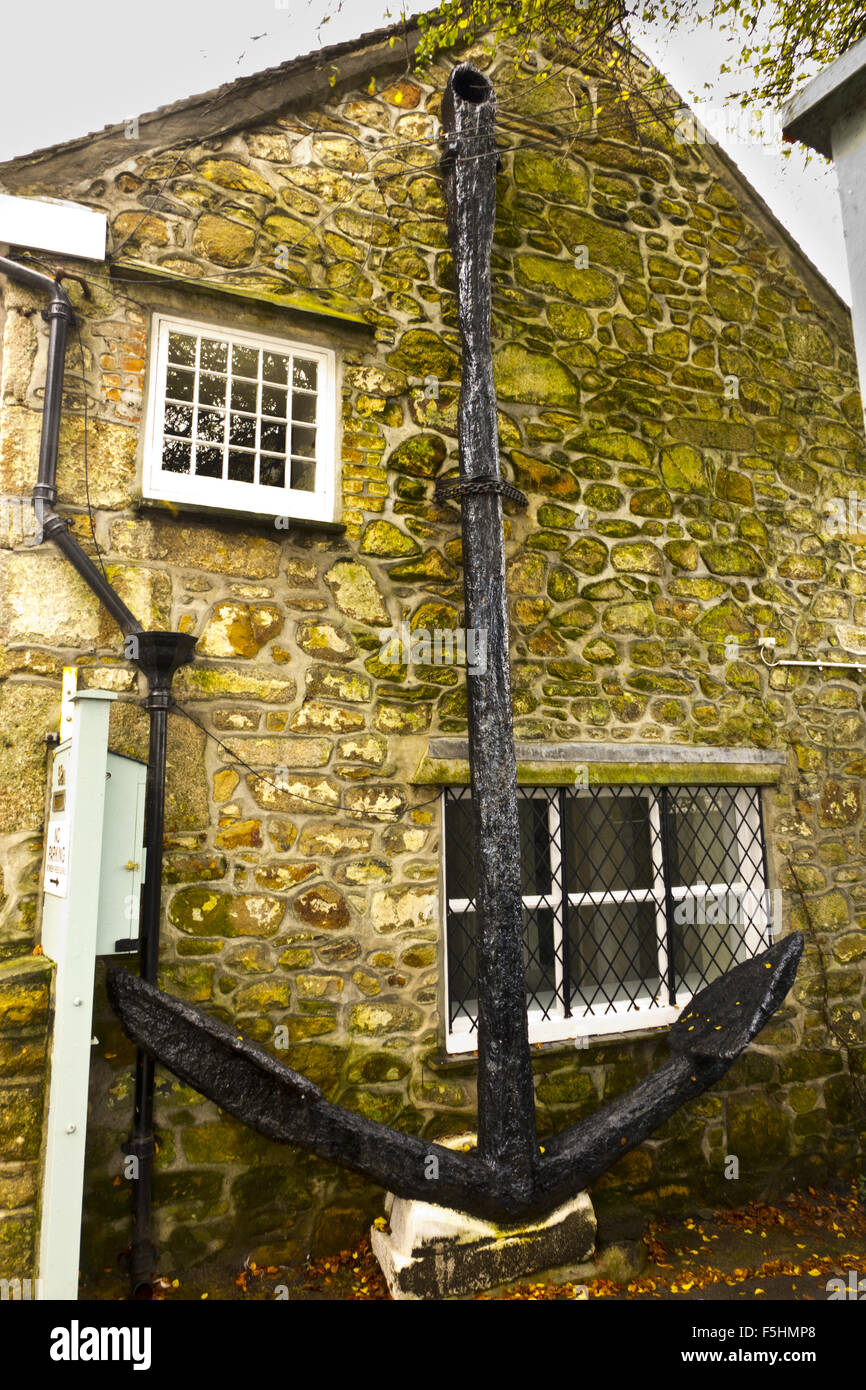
[667, 513]
[25, 988]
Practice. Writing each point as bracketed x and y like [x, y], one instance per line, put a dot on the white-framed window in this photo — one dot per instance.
[634, 898]
[240, 421]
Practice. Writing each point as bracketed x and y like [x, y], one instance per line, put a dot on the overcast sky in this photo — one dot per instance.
[106, 62]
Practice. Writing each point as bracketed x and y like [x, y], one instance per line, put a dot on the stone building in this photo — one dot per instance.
[271, 367]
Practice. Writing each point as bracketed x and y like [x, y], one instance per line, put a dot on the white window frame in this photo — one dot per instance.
[224, 494]
[605, 1018]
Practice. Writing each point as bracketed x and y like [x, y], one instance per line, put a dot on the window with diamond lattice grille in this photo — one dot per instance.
[634, 898]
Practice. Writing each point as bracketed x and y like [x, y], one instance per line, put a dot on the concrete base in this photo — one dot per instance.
[433, 1252]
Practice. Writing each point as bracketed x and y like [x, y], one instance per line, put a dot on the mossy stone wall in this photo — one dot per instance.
[634, 279]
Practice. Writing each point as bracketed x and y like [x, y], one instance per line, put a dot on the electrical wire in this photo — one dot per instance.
[178, 708]
[232, 275]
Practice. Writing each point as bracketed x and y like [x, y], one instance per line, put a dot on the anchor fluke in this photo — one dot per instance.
[723, 1019]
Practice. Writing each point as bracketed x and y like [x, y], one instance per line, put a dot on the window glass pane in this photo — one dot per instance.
[539, 959]
[244, 395]
[462, 965]
[179, 384]
[175, 456]
[303, 476]
[211, 425]
[461, 878]
[706, 935]
[272, 471]
[726, 914]
[214, 355]
[211, 389]
[704, 840]
[303, 441]
[208, 462]
[304, 374]
[613, 953]
[242, 430]
[274, 401]
[275, 367]
[532, 814]
[304, 407]
[273, 437]
[181, 348]
[242, 467]
[609, 842]
[178, 420]
[245, 360]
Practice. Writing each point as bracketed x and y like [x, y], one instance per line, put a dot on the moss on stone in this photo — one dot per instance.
[419, 456]
[583, 286]
[384, 539]
[423, 353]
[522, 375]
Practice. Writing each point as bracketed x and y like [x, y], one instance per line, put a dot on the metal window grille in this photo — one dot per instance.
[634, 898]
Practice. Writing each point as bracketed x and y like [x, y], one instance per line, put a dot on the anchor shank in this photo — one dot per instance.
[506, 1111]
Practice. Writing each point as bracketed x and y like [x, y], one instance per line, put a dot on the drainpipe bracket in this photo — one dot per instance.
[59, 309]
[142, 1146]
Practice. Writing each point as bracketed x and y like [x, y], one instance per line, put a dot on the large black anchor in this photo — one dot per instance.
[507, 1177]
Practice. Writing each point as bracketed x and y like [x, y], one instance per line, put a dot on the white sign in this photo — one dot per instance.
[56, 879]
[53, 224]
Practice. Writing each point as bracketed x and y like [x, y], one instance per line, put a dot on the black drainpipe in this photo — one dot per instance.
[158, 655]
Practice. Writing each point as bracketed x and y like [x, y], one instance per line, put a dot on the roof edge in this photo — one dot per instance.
[811, 114]
[228, 107]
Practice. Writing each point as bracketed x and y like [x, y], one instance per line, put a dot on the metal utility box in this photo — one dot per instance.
[91, 880]
[122, 856]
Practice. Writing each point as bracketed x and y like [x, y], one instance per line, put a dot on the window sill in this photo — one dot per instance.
[466, 1063]
[246, 521]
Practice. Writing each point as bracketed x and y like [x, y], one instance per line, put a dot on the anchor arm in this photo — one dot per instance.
[268, 1096]
[705, 1041]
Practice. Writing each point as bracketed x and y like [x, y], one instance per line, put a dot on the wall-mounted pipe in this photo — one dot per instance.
[819, 665]
[158, 655]
[60, 316]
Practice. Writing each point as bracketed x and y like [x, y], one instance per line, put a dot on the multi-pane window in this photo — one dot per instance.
[240, 422]
[634, 898]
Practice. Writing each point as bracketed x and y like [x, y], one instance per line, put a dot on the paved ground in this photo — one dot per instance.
[787, 1252]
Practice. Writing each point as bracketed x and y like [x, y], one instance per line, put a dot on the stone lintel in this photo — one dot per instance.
[446, 763]
[308, 302]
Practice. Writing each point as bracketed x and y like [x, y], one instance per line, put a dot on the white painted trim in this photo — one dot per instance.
[53, 224]
[223, 493]
[617, 1019]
